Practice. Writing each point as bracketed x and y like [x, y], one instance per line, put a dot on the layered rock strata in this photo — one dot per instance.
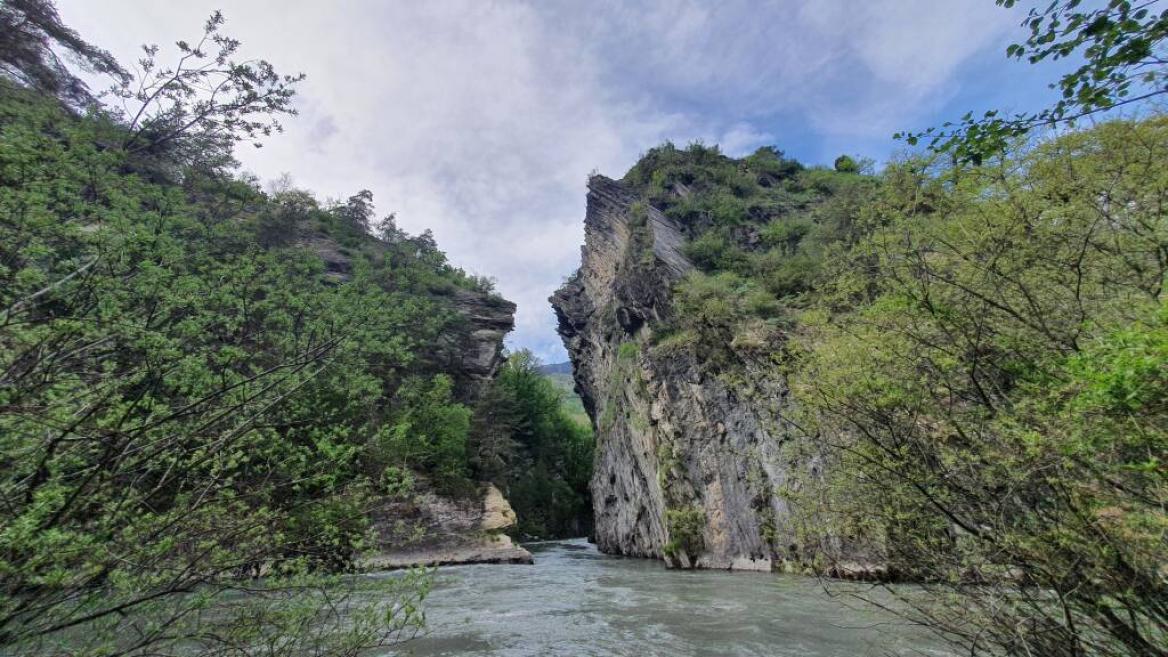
[691, 459]
[431, 530]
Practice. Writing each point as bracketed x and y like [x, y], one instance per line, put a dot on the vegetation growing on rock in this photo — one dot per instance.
[954, 368]
[975, 358]
[989, 371]
[685, 527]
[203, 382]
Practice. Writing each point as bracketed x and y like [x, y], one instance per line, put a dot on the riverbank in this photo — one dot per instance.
[433, 530]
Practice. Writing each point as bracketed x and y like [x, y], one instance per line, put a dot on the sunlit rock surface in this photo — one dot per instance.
[431, 530]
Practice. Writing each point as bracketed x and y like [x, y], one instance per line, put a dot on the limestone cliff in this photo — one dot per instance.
[475, 351]
[690, 461]
[432, 530]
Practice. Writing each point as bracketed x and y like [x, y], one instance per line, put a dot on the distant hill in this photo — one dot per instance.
[561, 375]
[556, 368]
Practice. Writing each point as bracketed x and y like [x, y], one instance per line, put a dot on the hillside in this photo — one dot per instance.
[560, 374]
[189, 360]
[944, 374]
[556, 368]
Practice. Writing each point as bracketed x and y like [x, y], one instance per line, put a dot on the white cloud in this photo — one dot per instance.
[481, 120]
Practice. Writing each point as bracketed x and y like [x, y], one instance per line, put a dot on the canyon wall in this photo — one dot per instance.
[691, 460]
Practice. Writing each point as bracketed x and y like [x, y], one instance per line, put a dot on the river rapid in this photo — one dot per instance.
[575, 601]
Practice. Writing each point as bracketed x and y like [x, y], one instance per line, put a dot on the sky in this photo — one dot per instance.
[482, 119]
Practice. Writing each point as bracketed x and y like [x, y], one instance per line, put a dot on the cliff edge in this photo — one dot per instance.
[690, 461]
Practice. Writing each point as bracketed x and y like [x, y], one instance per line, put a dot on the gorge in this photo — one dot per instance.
[818, 406]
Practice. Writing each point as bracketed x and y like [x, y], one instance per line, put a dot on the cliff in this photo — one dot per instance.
[421, 526]
[690, 459]
[475, 351]
[469, 349]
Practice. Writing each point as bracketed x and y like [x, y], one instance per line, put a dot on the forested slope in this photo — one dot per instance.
[203, 381]
[195, 362]
[950, 374]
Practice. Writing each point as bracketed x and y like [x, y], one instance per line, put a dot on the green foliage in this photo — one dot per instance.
[668, 461]
[188, 398]
[685, 527]
[628, 351]
[724, 312]
[1118, 45]
[990, 366]
[428, 432]
[195, 111]
[527, 442]
[760, 230]
[770, 161]
[713, 251]
[572, 404]
[845, 164]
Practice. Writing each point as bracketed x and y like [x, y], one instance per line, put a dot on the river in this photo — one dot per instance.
[577, 602]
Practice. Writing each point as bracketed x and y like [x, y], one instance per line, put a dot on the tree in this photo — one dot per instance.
[991, 382]
[388, 231]
[526, 442]
[1121, 45]
[428, 432]
[845, 164]
[207, 102]
[357, 211]
[31, 35]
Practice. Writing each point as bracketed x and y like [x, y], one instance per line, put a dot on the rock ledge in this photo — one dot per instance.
[432, 530]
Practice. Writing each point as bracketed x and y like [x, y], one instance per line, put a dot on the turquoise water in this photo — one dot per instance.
[576, 601]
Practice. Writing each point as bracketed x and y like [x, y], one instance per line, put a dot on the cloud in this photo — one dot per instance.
[481, 120]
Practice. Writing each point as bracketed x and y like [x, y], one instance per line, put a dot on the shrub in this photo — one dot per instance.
[770, 161]
[686, 528]
[790, 275]
[628, 351]
[785, 233]
[845, 164]
[727, 209]
[709, 251]
[705, 301]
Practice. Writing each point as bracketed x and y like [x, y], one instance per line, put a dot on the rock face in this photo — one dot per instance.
[689, 461]
[430, 530]
[476, 350]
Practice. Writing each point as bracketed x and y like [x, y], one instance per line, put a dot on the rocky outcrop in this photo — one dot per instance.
[475, 352]
[690, 459]
[471, 350]
[427, 528]
[432, 530]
